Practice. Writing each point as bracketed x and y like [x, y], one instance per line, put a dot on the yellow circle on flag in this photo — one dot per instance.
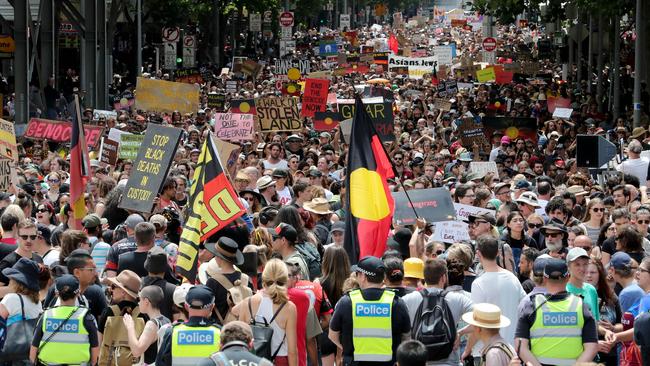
[512, 132]
[291, 88]
[244, 107]
[124, 102]
[293, 74]
[497, 104]
[367, 196]
[328, 121]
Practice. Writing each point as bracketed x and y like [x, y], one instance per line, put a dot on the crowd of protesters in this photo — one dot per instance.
[552, 237]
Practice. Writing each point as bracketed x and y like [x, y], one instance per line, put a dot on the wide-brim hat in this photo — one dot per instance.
[250, 191]
[486, 316]
[25, 272]
[265, 182]
[318, 205]
[638, 132]
[128, 281]
[226, 249]
[577, 190]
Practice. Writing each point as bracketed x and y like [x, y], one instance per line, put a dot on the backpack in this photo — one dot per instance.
[237, 292]
[115, 350]
[263, 334]
[500, 345]
[310, 254]
[434, 325]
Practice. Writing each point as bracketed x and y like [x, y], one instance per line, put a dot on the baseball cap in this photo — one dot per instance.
[199, 297]
[338, 226]
[44, 231]
[620, 260]
[576, 253]
[370, 266]
[91, 221]
[285, 231]
[505, 140]
[158, 220]
[540, 263]
[556, 269]
[133, 220]
[180, 293]
[67, 284]
[483, 216]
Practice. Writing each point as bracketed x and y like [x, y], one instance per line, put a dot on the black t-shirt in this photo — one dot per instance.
[6, 249]
[342, 322]
[609, 246]
[12, 258]
[150, 353]
[133, 261]
[220, 293]
[168, 293]
[401, 290]
[117, 249]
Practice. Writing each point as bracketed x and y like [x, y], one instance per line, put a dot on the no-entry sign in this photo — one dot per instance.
[286, 19]
[489, 44]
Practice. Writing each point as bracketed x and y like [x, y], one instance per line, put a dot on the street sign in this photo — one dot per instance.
[171, 34]
[267, 16]
[286, 32]
[7, 44]
[287, 46]
[170, 55]
[189, 41]
[489, 44]
[344, 21]
[286, 19]
[256, 22]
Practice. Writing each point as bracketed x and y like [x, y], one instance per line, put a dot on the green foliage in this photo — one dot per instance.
[507, 10]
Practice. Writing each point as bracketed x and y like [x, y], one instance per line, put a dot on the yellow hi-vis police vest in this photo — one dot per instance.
[70, 344]
[556, 335]
[371, 327]
[192, 344]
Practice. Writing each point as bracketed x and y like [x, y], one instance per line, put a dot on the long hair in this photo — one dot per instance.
[593, 202]
[604, 291]
[20, 289]
[71, 240]
[275, 278]
[336, 269]
[112, 213]
[290, 215]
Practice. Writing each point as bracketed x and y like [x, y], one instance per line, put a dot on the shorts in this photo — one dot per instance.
[281, 361]
[327, 347]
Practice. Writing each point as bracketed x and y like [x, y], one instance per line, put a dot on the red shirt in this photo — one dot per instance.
[317, 297]
[301, 300]
[10, 241]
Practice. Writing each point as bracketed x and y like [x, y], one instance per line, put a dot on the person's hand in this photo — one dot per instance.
[516, 361]
[466, 353]
[457, 342]
[421, 223]
[128, 321]
[611, 337]
[605, 324]
[604, 346]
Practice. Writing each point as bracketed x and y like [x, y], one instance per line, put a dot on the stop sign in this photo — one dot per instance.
[489, 44]
[286, 19]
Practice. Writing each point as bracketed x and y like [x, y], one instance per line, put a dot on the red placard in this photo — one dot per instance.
[504, 77]
[60, 131]
[315, 97]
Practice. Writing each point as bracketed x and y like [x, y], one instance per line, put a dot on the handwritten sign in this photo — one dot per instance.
[563, 113]
[100, 113]
[8, 147]
[217, 101]
[442, 104]
[472, 133]
[450, 232]
[315, 97]
[166, 96]
[433, 204]
[381, 115]
[278, 114]
[463, 211]
[129, 146]
[6, 172]
[60, 131]
[150, 168]
[189, 76]
[484, 167]
[234, 126]
[485, 75]
[109, 151]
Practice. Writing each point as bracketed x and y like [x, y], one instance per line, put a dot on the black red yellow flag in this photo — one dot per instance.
[326, 121]
[213, 205]
[245, 106]
[369, 202]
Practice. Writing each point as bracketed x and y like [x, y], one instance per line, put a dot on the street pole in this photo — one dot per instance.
[616, 67]
[139, 36]
[579, 51]
[638, 64]
[599, 62]
[590, 65]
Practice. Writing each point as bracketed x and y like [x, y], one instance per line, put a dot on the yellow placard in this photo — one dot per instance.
[166, 96]
[485, 75]
[7, 44]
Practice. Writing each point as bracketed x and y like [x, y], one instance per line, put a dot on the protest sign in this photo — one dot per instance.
[513, 127]
[278, 114]
[559, 102]
[563, 113]
[444, 54]
[166, 96]
[472, 133]
[217, 101]
[232, 86]
[463, 211]
[433, 204]
[251, 68]
[8, 147]
[123, 101]
[484, 167]
[315, 97]
[109, 151]
[129, 146]
[60, 131]
[150, 167]
[283, 66]
[450, 232]
[485, 75]
[451, 87]
[504, 77]
[189, 76]
[100, 113]
[381, 115]
[228, 154]
[6, 173]
[234, 126]
[442, 104]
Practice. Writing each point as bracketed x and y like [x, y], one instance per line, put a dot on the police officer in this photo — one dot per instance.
[236, 343]
[186, 344]
[370, 323]
[66, 334]
[556, 328]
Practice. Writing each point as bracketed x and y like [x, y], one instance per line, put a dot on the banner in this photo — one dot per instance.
[381, 115]
[8, 147]
[150, 168]
[433, 204]
[129, 146]
[217, 101]
[484, 167]
[100, 113]
[513, 127]
[109, 151]
[234, 126]
[463, 211]
[450, 232]
[444, 54]
[60, 131]
[6, 173]
[188, 76]
[166, 96]
[124, 101]
[278, 114]
[314, 98]
[283, 66]
[417, 62]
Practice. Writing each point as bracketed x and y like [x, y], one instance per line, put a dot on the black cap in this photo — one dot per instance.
[226, 249]
[370, 266]
[285, 231]
[156, 261]
[315, 173]
[44, 231]
[553, 226]
[280, 173]
[199, 297]
[556, 269]
[67, 284]
[483, 216]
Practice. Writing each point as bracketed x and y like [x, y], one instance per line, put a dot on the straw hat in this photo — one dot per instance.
[486, 316]
[319, 206]
[128, 281]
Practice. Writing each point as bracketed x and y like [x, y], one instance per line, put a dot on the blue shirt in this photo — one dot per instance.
[630, 296]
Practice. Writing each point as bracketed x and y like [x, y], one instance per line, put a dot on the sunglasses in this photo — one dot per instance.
[535, 226]
[249, 198]
[439, 251]
[42, 210]
[31, 237]
[53, 180]
[553, 235]
[642, 222]
[598, 209]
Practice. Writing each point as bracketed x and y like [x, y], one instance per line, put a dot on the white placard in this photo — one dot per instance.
[344, 21]
[484, 167]
[489, 57]
[444, 54]
[170, 55]
[286, 33]
[450, 232]
[463, 211]
[287, 46]
[563, 113]
[99, 113]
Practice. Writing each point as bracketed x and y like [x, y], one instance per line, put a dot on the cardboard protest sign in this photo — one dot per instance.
[123, 101]
[563, 113]
[444, 54]
[217, 101]
[463, 211]
[278, 114]
[129, 146]
[433, 204]
[232, 86]
[6, 174]
[109, 151]
[60, 131]
[504, 77]
[553, 102]
[8, 147]
[381, 115]
[100, 113]
[228, 154]
[485, 75]
[472, 133]
[251, 68]
[513, 127]
[150, 167]
[166, 96]
[484, 167]
[314, 98]
[234, 126]
[450, 232]
[189, 76]
[442, 104]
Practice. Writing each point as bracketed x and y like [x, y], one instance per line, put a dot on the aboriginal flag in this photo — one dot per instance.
[369, 202]
[79, 169]
[326, 121]
[245, 106]
[212, 206]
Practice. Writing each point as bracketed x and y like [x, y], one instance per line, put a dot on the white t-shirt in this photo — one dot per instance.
[282, 164]
[504, 290]
[635, 167]
[51, 257]
[12, 303]
[284, 195]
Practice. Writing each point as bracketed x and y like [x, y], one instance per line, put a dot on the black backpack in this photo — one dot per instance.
[309, 253]
[434, 325]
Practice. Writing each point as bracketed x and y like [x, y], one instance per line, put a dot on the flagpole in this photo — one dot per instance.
[392, 164]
